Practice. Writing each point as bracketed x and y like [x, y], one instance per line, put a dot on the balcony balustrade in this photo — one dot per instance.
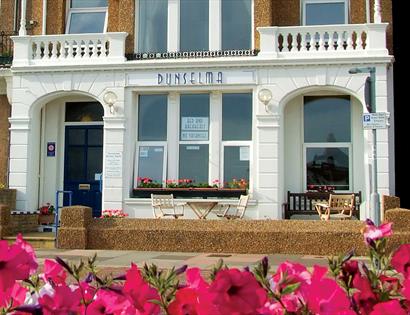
[295, 42]
[323, 41]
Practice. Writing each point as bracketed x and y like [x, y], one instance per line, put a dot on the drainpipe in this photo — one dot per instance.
[377, 12]
[44, 21]
[22, 30]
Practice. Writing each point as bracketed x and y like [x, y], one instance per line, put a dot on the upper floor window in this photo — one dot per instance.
[194, 25]
[324, 12]
[87, 16]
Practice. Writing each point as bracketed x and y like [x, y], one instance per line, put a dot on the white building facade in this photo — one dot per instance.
[198, 116]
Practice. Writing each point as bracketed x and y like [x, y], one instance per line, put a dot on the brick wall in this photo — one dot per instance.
[4, 137]
[7, 15]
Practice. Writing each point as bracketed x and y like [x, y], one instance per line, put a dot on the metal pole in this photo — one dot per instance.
[377, 18]
[374, 196]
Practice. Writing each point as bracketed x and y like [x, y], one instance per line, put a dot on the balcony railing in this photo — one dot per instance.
[295, 42]
[69, 49]
[323, 40]
[6, 48]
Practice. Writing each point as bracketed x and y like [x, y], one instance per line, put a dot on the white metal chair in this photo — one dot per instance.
[238, 211]
[164, 205]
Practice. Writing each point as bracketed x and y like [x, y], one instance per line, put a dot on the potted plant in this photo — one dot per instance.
[187, 188]
[46, 215]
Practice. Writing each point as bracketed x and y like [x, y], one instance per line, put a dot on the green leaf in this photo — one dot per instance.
[290, 288]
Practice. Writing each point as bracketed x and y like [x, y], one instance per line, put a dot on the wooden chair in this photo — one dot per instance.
[238, 210]
[164, 205]
[338, 207]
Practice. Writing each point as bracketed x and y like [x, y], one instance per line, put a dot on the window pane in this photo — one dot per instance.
[328, 166]
[325, 13]
[236, 163]
[152, 118]
[151, 162]
[76, 136]
[152, 29]
[89, 3]
[83, 111]
[237, 116]
[95, 136]
[194, 117]
[75, 163]
[87, 22]
[194, 25]
[236, 24]
[327, 119]
[193, 162]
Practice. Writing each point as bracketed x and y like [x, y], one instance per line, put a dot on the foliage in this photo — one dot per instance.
[347, 287]
[146, 182]
[113, 213]
[47, 209]
[237, 184]
[321, 188]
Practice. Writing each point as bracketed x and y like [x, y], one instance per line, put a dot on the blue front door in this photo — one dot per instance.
[83, 164]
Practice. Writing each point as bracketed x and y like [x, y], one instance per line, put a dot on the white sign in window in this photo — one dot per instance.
[194, 123]
[244, 154]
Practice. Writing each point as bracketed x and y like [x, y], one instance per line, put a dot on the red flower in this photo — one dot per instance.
[373, 233]
[389, 307]
[324, 296]
[237, 292]
[15, 296]
[140, 293]
[17, 262]
[54, 272]
[364, 297]
[64, 301]
[406, 289]
[401, 260]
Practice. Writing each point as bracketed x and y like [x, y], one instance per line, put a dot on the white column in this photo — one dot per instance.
[215, 25]
[22, 30]
[44, 22]
[377, 12]
[215, 135]
[173, 135]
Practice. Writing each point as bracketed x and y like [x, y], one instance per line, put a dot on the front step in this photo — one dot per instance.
[39, 240]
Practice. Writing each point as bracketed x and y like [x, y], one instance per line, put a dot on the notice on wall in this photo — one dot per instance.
[244, 154]
[113, 164]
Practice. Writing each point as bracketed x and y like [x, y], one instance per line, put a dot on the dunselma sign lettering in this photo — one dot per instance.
[189, 78]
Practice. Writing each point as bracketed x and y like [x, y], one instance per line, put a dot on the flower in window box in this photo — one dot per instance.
[47, 209]
[113, 213]
[321, 188]
[237, 184]
[146, 182]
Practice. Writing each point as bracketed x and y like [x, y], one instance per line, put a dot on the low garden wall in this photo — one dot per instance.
[11, 224]
[80, 231]
[8, 197]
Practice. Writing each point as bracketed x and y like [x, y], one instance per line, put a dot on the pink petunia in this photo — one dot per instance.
[272, 308]
[65, 300]
[17, 262]
[364, 297]
[401, 260]
[15, 296]
[53, 271]
[140, 294]
[237, 292]
[389, 307]
[373, 233]
[108, 302]
[324, 296]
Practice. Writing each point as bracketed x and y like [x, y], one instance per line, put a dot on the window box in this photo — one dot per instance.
[190, 192]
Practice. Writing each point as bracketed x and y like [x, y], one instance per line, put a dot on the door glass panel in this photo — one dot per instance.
[194, 27]
[76, 136]
[94, 162]
[194, 113]
[83, 111]
[75, 163]
[194, 162]
[95, 136]
[237, 116]
[151, 162]
[328, 166]
[236, 163]
[87, 22]
[327, 119]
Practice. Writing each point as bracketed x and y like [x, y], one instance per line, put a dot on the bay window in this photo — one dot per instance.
[87, 16]
[327, 141]
[174, 137]
[193, 25]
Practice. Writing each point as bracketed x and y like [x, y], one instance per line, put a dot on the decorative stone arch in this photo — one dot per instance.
[33, 92]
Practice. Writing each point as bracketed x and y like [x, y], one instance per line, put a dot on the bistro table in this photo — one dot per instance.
[202, 207]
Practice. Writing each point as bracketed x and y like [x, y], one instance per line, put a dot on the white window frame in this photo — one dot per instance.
[247, 143]
[140, 144]
[171, 154]
[173, 27]
[305, 2]
[70, 11]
